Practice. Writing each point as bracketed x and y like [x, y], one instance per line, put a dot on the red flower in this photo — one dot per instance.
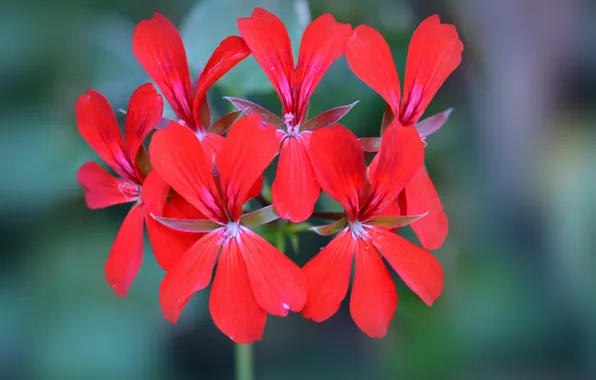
[159, 48]
[435, 51]
[128, 158]
[295, 189]
[365, 234]
[253, 278]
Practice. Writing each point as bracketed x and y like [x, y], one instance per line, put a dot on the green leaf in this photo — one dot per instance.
[298, 227]
[224, 123]
[294, 241]
[266, 191]
[394, 221]
[328, 118]
[250, 108]
[188, 225]
[370, 144]
[259, 217]
[210, 21]
[332, 228]
[433, 123]
[280, 241]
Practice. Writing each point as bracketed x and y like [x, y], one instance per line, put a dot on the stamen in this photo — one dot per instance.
[232, 230]
[291, 129]
[129, 190]
[357, 230]
[288, 118]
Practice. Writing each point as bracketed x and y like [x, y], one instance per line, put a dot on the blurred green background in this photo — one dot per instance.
[515, 167]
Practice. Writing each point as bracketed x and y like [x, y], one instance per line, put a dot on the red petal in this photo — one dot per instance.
[168, 245]
[98, 126]
[158, 47]
[323, 41]
[126, 252]
[400, 157]
[328, 276]
[204, 113]
[143, 114]
[212, 145]
[420, 270]
[435, 51]
[338, 162]
[295, 189]
[374, 299]
[178, 156]
[228, 54]
[393, 208]
[277, 283]
[269, 43]
[154, 193]
[178, 207]
[191, 274]
[102, 189]
[370, 59]
[232, 304]
[420, 195]
[247, 151]
[204, 116]
[255, 191]
[388, 118]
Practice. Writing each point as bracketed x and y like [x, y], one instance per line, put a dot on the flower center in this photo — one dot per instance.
[291, 129]
[200, 134]
[357, 230]
[130, 191]
[232, 230]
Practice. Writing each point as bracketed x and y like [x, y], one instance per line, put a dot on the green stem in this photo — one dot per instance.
[244, 362]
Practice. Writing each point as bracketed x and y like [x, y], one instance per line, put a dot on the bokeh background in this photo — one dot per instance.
[515, 167]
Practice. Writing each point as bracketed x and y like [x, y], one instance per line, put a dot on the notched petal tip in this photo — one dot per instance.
[89, 93]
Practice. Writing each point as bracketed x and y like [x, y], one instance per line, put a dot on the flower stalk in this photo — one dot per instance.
[244, 361]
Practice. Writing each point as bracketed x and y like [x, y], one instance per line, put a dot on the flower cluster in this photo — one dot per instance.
[191, 187]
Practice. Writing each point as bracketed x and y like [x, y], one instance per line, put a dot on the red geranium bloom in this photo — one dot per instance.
[435, 51]
[160, 50]
[365, 234]
[295, 189]
[128, 158]
[253, 278]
